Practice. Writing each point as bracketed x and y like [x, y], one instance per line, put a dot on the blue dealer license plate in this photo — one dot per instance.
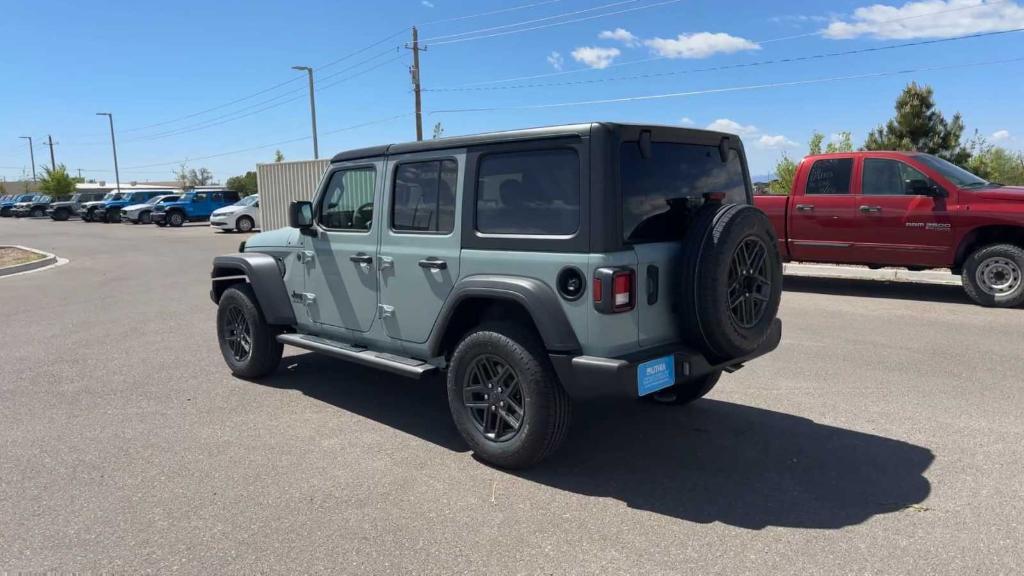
[655, 375]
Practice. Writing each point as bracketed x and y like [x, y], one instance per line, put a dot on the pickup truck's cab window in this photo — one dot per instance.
[657, 191]
[830, 176]
[347, 204]
[884, 177]
[529, 193]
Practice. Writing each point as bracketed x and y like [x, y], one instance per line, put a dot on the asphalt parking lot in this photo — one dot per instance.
[885, 436]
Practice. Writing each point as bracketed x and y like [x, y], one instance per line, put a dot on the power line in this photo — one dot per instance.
[658, 58]
[527, 22]
[491, 13]
[726, 66]
[542, 26]
[281, 143]
[724, 90]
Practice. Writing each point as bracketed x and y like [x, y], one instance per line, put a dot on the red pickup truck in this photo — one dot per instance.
[905, 209]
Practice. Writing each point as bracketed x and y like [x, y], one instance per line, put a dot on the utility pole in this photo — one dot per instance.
[312, 108]
[79, 173]
[415, 73]
[113, 144]
[53, 163]
[31, 154]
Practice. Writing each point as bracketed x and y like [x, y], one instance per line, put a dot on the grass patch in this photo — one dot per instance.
[15, 256]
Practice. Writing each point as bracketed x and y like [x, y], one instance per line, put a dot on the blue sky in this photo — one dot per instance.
[170, 71]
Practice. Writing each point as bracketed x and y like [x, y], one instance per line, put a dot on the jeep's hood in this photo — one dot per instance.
[64, 204]
[280, 238]
[93, 204]
[1002, 193]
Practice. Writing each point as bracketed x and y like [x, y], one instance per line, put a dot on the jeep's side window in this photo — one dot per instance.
[423, 199]
[830, 176]
[347, 204]
[532, 193]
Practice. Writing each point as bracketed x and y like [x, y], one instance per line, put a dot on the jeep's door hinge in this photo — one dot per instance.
[385, 311]
[306, 298]
[307, 256]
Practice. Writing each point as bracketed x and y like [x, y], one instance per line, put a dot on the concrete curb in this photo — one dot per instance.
[936, 277]
[47, 260]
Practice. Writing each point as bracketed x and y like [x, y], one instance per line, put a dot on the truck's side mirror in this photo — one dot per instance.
[300, 215]
[925, 188]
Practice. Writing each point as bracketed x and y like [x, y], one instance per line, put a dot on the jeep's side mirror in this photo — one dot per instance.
[925, 188]
[300, 215]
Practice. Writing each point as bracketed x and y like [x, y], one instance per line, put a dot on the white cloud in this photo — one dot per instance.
[1001, 136]
[620, 35]
[929, 19]
[556, 60]
[700, 45]
[686, 121]
[779, 142]
[732, 127]
[595, 57]
[427, 3]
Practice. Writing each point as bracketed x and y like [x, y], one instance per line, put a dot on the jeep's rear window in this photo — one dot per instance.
[659, 193]
[535, 193]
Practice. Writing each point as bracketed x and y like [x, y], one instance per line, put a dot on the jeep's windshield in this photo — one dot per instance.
[659, 193]
[955, 174]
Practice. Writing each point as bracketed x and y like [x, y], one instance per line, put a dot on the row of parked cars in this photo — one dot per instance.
[223, 209]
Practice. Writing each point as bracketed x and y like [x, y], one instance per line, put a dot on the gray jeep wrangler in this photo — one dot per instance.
[533, 268]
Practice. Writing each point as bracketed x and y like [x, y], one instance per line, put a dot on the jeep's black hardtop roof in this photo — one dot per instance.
[567, 130]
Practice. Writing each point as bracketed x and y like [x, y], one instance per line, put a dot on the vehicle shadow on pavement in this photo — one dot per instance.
[712, 461]
[877, 289]
[715, 461]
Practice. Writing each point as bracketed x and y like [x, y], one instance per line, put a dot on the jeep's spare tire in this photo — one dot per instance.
[731, 280]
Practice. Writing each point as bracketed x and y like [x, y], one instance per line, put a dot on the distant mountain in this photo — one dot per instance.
[762, 177]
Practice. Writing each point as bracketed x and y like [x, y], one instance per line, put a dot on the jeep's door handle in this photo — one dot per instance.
[870, 209]
[433, 264]
[805, 207]
[361, 258]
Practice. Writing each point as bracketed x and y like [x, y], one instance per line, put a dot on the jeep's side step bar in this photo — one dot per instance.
[408, 367]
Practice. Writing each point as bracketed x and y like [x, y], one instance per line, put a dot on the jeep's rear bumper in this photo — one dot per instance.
[586, 377]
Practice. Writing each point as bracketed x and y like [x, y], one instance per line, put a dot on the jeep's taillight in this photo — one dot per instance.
[614, 290]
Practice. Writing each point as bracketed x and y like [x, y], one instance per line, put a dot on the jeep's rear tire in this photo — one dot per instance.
[176, 219]
[249, 345]
[732, 280]
[504, 396]
[993, 276]
[687, 392]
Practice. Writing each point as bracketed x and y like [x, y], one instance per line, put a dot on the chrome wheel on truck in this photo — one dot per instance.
[998, 276]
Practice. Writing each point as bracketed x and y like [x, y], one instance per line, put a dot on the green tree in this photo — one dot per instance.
[919, 127]
[438, 130]
[843, 144]
[245, 185]
[57, 182]
[995, 163]
[785, 174]
[192, 177]
[278, 156]
[814, 144]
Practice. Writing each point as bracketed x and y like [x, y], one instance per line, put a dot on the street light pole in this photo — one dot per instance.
[32, 155]
[312, 107]
[113, 144]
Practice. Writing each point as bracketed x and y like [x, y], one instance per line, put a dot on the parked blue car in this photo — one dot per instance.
[110, 210]
[7, 206]
[194, 206]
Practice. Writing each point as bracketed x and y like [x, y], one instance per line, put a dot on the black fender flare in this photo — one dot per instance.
[536, 297]
[264, 275]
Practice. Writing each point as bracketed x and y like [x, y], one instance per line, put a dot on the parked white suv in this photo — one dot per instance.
[243, 215]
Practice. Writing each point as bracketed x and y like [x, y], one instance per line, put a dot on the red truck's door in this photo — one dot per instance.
[901, 224]
[823, 212]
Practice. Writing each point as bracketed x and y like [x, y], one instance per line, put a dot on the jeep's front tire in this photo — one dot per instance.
[249, 345]
[993, 276]
[504, 396]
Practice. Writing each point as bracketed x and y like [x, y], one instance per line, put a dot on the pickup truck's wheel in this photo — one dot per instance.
[176, 219]
[732, 280]
[244, 224]
[504, 396]
[994, 276]
[249, 345]
[688, 391]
